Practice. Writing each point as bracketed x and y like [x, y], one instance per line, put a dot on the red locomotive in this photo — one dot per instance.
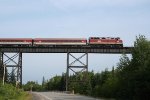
[106, 41]
[52, 42]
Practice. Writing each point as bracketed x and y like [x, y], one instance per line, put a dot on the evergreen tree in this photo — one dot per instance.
[43, 81]
[12, 77]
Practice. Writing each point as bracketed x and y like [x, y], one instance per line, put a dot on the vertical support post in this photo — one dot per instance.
[87, 61]
[19, 72]
[4, 74]
[67, 72]
[1, 65]
[76, 64]
[87, 65]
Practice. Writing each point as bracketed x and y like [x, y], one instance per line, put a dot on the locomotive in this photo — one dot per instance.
[53, 42]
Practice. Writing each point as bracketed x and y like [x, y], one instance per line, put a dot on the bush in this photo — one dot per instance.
[8, 91]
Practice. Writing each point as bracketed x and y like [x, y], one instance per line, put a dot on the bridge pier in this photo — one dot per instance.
[74, 63]
[13, 65]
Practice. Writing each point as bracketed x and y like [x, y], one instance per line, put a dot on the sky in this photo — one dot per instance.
[72, 18]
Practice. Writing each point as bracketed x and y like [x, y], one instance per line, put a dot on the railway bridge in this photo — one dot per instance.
[16, 52]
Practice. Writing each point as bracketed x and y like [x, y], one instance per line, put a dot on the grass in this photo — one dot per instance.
[9, 92]
[22, 96]
[25, 96]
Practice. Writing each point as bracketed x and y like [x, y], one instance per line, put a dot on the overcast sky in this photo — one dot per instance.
[72, 18]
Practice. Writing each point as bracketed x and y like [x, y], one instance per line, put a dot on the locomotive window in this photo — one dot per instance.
[91, 38]
[117, 38]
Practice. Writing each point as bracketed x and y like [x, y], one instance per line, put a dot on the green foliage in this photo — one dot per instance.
[32, 86]
[134, 75]
[43, 81]
[12, 79]
[8, 91]
[55, 83]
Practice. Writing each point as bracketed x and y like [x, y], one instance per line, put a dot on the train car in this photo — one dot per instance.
[15, 42]
[105, 42]
[59, 41]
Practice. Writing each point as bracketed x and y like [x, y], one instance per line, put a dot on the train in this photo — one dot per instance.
[53, 42]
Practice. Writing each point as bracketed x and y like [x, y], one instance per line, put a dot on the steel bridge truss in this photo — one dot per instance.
[74, 63]
[13, 64]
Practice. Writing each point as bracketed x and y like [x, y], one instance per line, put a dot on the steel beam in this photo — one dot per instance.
[126, 50]
[83, 66]
[1, 65]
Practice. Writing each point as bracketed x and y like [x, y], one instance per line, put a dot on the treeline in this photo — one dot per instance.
[129, 80]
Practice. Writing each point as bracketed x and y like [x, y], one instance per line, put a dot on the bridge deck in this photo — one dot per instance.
[126, 50]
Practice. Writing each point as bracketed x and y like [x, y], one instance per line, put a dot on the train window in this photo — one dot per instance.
[91, 38]
[117, 38]
[103, 38]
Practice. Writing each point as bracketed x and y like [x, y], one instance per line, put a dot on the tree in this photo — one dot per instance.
[63, 82]
[54, 83]
[32, 85]
[134, 75]
[141, 67]
[43, 81]
[12, 77]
